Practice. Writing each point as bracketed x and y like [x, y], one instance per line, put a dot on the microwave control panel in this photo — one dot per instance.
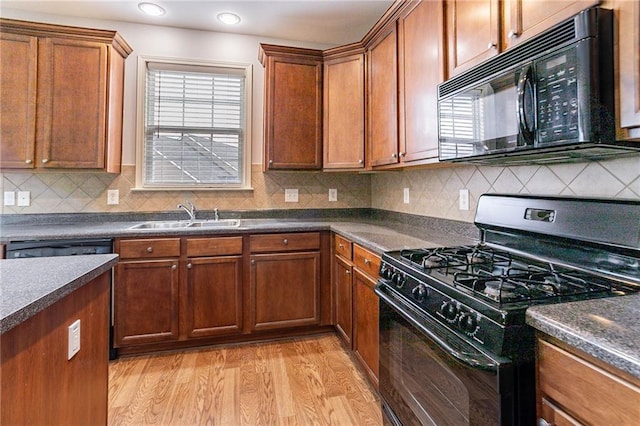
[557, 92]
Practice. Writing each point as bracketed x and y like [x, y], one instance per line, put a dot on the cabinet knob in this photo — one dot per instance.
[394, 155]
[341, 246]
[348, 272]
[174, 267]
[285, 241]
[253, 262]
[28, 161]
[513, 34]
[270, 161]
[189, 266]
[402, 154]
[492, 45]
[149, 249]
[45, 160]
[360, 161]
[367, 262]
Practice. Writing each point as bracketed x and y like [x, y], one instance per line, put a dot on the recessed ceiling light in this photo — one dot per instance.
[151, 9]
[228, 18]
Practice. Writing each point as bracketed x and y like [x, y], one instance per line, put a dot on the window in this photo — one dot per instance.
[461, 124]
[194, 125]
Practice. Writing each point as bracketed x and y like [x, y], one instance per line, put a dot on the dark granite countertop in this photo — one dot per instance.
[28, 286]
[607, 329]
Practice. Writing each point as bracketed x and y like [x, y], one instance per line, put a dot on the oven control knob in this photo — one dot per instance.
[468, 322]
[386, 273]
[398, 279]
[449, 310]
[419, 292]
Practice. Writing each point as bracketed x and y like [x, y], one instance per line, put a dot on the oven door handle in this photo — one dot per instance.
[475, 360]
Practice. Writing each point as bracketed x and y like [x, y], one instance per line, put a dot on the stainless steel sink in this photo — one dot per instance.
[181, 224]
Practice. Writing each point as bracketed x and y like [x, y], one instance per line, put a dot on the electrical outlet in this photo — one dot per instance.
[333, 194]
[464, 199]
[113, 197]
[406, 195]
[73, 339]
[290, 195]
[24, 198]
[9, 198]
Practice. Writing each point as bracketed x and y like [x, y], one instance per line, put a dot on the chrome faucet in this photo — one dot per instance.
[191, 210]
[215, 214]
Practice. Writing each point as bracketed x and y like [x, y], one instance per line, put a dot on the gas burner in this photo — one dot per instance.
[456, 257]
[500, 290]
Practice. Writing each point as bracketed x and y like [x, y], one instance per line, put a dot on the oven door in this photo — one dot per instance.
[428, 376]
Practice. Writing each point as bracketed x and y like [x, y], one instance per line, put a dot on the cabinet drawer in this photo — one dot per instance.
[285, 242]
[149, 248]
[366, 261]
[342, 246]
[219, 246]
[584, 390]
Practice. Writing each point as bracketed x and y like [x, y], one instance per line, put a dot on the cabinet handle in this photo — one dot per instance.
[402, 154]
[492, 45]
[149, 249]
[367, 262]
[341, 246]
[253, 262]
[348, 272]
[45, 160]
[189, 266]
[28, 161]
[360, 161]
[513, 34]
[285, 241]
[174, 267]
[270, 161]
[393, 155]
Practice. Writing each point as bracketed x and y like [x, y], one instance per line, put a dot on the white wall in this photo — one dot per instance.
[150, 40]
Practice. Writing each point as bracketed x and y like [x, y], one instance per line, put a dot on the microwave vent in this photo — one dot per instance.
[528, 50]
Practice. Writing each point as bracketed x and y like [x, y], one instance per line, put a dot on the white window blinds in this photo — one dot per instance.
[461, 125]
[194, 132]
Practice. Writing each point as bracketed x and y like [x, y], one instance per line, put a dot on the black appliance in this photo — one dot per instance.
[454, 346]
[548, 99]
[73, 247]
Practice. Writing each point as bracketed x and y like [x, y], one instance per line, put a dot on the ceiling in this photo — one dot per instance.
[331, 22]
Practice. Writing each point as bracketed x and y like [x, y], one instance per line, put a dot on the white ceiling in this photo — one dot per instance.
[331, 22]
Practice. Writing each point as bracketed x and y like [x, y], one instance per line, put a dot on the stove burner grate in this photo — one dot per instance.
[456, 257]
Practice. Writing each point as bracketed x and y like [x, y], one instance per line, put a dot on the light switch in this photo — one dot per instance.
[406, 195]
[9, 198]
[333, 194]
[113, 197]
[24, 198]
[464, 199]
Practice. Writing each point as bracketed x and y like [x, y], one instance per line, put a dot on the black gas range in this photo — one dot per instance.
[466, 305]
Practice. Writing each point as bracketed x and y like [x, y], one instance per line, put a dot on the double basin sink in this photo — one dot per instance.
[181, 224]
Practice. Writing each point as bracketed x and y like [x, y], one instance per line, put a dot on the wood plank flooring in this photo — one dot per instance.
[302, 381]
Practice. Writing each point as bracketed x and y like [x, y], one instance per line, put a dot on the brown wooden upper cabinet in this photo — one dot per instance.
[292, 108]
[61, 96]
[480, 29]
[382, 132]
[344, 108]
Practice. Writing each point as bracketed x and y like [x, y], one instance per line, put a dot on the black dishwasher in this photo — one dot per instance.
[72, 247]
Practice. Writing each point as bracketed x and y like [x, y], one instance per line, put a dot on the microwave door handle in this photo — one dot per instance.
[524, 83]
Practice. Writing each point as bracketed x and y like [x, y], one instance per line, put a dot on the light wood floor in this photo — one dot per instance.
[304, 381]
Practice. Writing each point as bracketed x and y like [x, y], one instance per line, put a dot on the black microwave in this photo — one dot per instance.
[549, 99]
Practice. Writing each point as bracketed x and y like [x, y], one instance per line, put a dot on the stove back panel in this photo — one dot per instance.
[607, 222]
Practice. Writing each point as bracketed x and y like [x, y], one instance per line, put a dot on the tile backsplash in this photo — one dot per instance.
[435, 192]
[432, 191]
[69, 192]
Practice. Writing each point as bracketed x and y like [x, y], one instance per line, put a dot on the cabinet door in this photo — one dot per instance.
[526, 18]
[344, 113]
[285, 290]
[383, 100]
[366, 324]
[18, 77]
[146, 302]
[72, 91]
[472, 32]
[343, 291]
[213, 302]
[421, 69]
[628, 75]
[293, 118]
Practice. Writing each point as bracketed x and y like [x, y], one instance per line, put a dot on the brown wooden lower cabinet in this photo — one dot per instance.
[146, 302]
[285, 290]
[366, 316]
[39, 385]
[343, 289]
[573, 388]
[213, 299]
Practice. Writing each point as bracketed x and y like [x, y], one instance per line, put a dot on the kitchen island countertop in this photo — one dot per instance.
[607, 329]
[28, 286]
